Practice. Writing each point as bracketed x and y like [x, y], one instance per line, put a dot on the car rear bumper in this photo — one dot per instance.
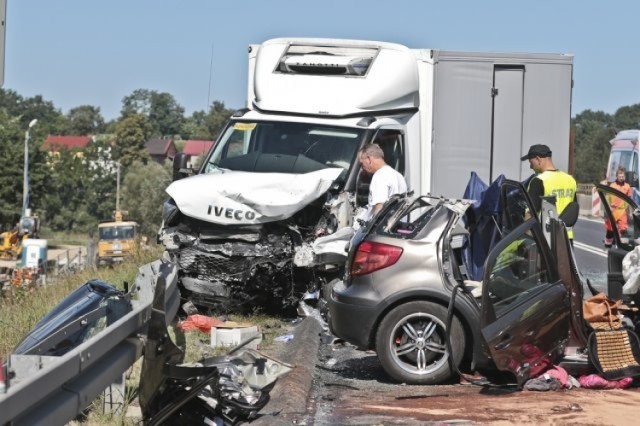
[351, 316]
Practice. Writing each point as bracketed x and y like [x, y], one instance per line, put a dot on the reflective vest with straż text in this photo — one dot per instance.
[563, 186]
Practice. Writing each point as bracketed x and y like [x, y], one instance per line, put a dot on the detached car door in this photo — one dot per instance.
[525, 306]
[622, 220]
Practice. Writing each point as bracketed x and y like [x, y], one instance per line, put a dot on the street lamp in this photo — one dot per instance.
[25, 183]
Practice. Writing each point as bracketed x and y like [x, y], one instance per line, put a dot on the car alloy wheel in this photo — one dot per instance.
[411, 344]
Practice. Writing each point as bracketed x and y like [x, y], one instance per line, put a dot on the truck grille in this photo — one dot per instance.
[213, 266]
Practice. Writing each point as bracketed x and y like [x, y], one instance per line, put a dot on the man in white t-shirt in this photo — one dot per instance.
[386, 181]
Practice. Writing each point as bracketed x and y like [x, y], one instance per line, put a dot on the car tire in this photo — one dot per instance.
[421, 360]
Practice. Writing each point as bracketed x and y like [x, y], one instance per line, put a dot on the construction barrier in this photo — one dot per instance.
[595, 203]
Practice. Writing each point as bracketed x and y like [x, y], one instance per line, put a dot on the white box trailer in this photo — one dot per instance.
[281, 186]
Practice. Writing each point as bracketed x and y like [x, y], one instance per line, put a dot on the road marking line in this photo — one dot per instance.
[590, 249]
[591, 219]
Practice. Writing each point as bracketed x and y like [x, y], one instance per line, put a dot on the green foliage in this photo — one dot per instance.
[201, 126]
[132, 132]
[593, 131]
[85, 120]
[216, 119]
[50, 119]
[151, 180]
[68, 185]
[165, 115]
[627, 117]
[12, 166]
[101, 172]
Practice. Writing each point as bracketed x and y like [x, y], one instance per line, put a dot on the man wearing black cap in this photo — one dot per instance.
[549, 181]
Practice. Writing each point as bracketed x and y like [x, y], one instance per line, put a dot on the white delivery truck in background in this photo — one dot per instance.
[624, 152]
[258, 220]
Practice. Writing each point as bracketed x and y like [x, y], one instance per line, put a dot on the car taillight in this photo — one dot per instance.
[372, 256]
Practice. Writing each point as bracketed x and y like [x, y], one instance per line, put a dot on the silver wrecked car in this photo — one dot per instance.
[519, 295]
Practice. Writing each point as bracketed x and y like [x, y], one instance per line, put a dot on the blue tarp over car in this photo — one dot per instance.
[483, 220]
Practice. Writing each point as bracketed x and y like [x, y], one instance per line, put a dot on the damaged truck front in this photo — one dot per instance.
[266, 218]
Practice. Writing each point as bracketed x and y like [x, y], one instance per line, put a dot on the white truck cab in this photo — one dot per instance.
[284, 174]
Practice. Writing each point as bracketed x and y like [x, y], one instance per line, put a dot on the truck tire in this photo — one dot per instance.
[411, 345]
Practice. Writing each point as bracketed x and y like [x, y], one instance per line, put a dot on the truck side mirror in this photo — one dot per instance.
[180, 169]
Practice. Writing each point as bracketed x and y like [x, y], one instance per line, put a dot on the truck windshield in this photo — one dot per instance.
[126, 232]
[619, 158]
[284, 147]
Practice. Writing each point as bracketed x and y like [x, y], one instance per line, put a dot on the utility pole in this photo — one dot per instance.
[118, 188]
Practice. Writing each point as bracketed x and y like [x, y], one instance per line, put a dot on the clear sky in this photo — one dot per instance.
[77, 52]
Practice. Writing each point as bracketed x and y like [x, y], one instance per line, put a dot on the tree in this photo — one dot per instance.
[132, 132]
[101, 169]
[593, 130]
[12, 166]
[68, 186]
[50, 119]
[151, 180]
[627, 117]
[138, 102]
[216, 118]
[164, 113]
[85, 120]
[195, 127]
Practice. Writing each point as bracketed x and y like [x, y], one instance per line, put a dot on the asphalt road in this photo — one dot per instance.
[591, 256]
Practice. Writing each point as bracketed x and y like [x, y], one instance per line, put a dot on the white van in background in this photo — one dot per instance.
[624, 152]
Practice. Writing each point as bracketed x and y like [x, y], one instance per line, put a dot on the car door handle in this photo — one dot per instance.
[504, 343]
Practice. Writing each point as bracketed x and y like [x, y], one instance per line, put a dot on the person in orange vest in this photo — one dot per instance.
[618, 207]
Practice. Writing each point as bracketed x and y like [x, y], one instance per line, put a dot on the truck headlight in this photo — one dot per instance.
[170, 212]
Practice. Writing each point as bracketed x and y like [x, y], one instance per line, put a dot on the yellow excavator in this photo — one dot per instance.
[11, 241]
[116, 239]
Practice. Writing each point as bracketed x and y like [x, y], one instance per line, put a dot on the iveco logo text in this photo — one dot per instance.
[231, 213]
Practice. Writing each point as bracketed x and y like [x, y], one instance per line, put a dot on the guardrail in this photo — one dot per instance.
[54, 390]
[585, 188]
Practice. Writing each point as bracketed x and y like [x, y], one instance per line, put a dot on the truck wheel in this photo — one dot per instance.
[411, 345]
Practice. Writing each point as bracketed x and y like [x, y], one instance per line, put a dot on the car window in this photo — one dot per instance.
[407, 222]
[391, 143]
[516, 205]
[518, 271]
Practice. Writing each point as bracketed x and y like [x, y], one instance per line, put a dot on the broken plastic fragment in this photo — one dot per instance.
[284, 338]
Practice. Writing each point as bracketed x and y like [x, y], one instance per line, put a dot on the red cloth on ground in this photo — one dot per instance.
[199, 322]
[558, 373]
[593, 381]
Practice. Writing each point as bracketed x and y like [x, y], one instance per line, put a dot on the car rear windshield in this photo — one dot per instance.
[410, 218]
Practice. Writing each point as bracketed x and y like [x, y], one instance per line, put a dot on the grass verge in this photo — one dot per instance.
[20, 312]
[26, 307]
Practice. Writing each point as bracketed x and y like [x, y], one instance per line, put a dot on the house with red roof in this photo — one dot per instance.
[161, 149]
[196, 148]
[55, 143]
